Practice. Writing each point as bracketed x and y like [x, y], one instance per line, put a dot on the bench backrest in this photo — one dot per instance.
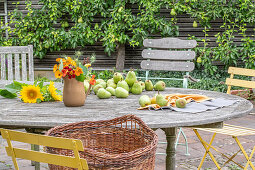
[21, 57]
[237, 82]
[71, 144]
[166, 54]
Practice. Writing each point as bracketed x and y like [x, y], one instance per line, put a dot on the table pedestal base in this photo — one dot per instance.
[170, 149]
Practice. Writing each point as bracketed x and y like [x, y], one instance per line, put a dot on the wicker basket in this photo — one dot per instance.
[121, 143]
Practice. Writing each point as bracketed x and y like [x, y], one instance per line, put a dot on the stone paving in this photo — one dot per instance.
[183, 162]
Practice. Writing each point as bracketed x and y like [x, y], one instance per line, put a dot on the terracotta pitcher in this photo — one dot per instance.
[73, 93]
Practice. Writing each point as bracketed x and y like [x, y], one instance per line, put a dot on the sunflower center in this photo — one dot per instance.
[32, 94]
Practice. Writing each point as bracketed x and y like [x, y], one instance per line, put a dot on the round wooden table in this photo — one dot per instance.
[16, 114]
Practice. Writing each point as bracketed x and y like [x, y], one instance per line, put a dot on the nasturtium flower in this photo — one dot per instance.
[64, 71]
[58, 74]
[92, 80]
[78, 71]
[55, 68]
[53, 92]
[58, 60]
[30, 94]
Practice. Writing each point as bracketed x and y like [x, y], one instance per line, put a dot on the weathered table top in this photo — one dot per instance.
[14, 113]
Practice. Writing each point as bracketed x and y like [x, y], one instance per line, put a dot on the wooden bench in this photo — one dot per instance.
[167, 54]
[11, 56]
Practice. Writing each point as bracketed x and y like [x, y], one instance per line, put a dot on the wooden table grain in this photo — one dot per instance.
[16, 114]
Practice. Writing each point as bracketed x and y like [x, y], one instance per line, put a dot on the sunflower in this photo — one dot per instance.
[54, 93]
[30, 93]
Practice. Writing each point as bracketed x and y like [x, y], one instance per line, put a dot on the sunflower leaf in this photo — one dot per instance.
[7, 94]
[40, 84]
[38, 100]
[14, 87]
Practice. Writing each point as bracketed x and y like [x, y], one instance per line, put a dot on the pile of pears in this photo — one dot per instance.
[121, 88]
[161, 100]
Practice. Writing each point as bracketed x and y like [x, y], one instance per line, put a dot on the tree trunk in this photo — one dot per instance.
[120, 59]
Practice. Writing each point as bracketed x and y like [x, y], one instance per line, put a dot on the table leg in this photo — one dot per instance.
[34, 147]
[170, 149]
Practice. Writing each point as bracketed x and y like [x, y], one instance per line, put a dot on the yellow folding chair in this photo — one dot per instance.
[231, 130]
[55, 142]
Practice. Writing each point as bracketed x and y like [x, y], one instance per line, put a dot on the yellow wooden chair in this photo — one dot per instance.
[71, 144]
[231, 130]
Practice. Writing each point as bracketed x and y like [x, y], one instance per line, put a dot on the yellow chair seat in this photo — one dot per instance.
[230, 130]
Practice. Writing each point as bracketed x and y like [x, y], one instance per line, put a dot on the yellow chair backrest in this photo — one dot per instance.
[56, 142]
[241, 83]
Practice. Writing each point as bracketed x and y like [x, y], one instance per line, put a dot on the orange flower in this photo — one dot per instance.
[92, 80]
[78, 71]
[58, 74]
[58, 59]
[55, 68]
[73, 63]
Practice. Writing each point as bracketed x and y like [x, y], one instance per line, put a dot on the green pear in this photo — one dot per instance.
[97, 87]
[142, 84]
[111, 90]
[160, 85]
[86, 85]
[181, 103]
[144, 100]
[123, 84]
[98, 81]
[103, 84]
[130, 78]
[110, 83]
[195, 24]
[113, 85]
[117, 77]
[173, 12]
[103, 94]
[160, 100]
[136, 88]
[148, 85]
[80, 20]
[121, 92]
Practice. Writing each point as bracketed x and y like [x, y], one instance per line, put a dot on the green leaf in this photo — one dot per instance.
[61, 65]
[15, 86]
[38, 100]
[84, 69]
[7, 94]
[80, 78]
[40, 84]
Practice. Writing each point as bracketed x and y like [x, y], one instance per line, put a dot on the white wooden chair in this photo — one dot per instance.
[169, 54]
[11, 57]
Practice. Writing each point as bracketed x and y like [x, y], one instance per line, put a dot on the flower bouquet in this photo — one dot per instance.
[74, 72]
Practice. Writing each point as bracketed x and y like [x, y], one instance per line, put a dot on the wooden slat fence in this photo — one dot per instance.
[133, 55]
